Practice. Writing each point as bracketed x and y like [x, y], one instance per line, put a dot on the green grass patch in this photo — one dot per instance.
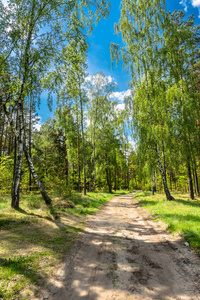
[16, 272]
[182, 215]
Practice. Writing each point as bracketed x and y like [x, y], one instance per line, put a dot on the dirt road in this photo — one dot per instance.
[124, 255]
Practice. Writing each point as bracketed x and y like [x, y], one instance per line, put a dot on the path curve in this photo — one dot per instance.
[123, 254]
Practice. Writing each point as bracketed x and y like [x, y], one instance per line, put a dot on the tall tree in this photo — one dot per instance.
[140, 26]
[180, 50]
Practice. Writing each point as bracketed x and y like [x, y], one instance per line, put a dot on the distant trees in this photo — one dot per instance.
[99, 91]
[105, 156]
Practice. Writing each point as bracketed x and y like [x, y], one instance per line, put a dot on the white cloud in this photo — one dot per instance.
[37, 127]
[5, 2]
[99, 79]
[88, 78]
[196, 3]
[120, 96]
[184, 3]
[120, 106]
[87, 121]
[110, 79]
[37, 123]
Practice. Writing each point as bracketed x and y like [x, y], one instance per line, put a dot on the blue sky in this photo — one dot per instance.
[103, 35]
[99, 52]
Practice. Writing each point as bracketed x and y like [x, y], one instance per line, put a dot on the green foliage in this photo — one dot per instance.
[6, 168]
[160, 51]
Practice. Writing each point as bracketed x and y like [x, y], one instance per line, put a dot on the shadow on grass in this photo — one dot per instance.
[120, 193]
[181, 218]
[72, 229]
[147, 202]
[25, 266]
[21, 265]
[22, 211]
[7, 223]
[192, 203]
[140, 194]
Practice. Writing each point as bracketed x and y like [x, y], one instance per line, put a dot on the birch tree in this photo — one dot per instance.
[140, 26]
[180, 49]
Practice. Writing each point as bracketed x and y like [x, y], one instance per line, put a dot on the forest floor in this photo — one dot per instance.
[122, 254]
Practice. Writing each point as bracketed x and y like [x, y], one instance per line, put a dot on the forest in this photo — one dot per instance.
[86, 146]
[128, 164]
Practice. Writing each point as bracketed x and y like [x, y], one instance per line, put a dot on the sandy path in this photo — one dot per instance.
[124, 255]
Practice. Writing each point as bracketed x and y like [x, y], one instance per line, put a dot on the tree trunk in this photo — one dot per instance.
[69, 165]
[94, 164]
[5, 138]
[17, 173]
[90, 166]
[66, 163]
[2, 130]
[153, 184]
[45, 196]
[190, 183]
[94, 154]
[164, 162]
[196, 184]
[94, 145]
[30, 130]
[162, 172]
[115, 187]
[78, 153]
[108, 180]
[15, 146]
[81, 102]
[167, 192]
[108, 175]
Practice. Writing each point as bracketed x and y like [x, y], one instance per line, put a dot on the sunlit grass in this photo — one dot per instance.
[182, 215]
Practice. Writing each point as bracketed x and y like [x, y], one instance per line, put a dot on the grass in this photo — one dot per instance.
[89, 204]
[35, 238]
[181, 215]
